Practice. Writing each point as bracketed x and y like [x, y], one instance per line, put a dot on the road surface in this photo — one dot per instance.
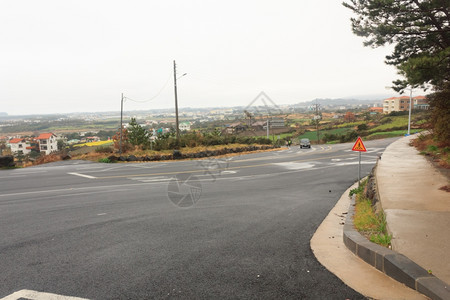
[234, 227]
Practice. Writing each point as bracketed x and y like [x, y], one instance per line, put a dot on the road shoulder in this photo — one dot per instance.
[328, 247]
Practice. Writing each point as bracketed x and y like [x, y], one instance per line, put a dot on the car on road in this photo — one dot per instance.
[305, 143]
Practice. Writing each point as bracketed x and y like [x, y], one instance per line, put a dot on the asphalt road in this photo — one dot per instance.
[213, 228]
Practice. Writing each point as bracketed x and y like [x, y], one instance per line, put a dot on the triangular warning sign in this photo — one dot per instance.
[359, 146]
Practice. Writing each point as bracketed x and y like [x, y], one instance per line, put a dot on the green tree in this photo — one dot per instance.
[61, 145]
[137, 135]
[420, 31]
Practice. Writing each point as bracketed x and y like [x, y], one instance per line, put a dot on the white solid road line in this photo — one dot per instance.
[33, 295]
[82, 175]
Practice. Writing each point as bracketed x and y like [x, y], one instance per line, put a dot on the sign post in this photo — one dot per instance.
[359, 146]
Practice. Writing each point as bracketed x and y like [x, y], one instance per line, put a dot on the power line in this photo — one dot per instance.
[154, 97]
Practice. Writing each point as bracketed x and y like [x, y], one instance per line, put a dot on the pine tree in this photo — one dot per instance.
[137, 135]
[420, 31]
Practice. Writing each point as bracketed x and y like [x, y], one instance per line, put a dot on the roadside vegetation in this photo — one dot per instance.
[368, 220]
[437, 151]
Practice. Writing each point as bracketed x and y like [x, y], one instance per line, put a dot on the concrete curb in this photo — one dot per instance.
[393, 264]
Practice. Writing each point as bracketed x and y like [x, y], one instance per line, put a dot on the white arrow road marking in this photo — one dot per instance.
[33, 295]
[82, 175]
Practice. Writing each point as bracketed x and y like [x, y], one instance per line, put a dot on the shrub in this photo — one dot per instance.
[432, 148]
[105, 160]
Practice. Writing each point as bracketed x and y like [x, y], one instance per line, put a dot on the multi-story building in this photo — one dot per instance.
[402, 103]
[47, 142]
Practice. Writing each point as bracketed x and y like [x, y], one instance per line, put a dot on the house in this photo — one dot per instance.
[91, 139]
[258, 125]
[20, 146]
[402, 103]
[234, 128]
[47, 142]
[421, 102]
[376, 109]
[185, 126]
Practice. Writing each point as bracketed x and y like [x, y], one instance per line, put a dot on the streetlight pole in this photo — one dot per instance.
[410, 108]
[176, 101]
[121, 119]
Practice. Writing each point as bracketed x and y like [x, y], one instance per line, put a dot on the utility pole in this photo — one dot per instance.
[176, 102]
[317, 119]
[121, 119]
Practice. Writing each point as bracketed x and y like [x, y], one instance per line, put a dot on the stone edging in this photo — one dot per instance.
[393, 264]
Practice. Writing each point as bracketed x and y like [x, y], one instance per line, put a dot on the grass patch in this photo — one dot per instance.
[100, 156]
[367, 220]
[105, 160]
[351, 124]
[389, 134]
[395, 122]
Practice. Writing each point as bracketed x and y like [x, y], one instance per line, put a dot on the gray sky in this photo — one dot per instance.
[68, 56]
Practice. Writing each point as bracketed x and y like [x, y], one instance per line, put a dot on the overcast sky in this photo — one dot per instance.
[69, 56]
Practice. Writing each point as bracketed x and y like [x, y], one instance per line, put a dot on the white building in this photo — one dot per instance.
[19, 146]
[185, 126]
[47, 142]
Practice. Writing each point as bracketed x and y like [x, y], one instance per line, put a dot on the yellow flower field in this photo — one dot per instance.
[94, 144]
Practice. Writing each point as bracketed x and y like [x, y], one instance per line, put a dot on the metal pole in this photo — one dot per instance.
[410, 107]
[359, 169]
[267, 127]
[176, 101]
[317, 122]
[121, 119]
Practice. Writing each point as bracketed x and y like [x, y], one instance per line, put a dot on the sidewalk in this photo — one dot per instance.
[417, 212]
[418, 217]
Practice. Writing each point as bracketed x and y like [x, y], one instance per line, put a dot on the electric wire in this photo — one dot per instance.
[154, 97]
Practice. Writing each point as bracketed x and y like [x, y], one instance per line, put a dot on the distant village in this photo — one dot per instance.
[236, 120]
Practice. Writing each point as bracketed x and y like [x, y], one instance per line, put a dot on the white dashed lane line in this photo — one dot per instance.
[82, 175]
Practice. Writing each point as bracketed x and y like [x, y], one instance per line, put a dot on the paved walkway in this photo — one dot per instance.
[417, 211]
[328, 247]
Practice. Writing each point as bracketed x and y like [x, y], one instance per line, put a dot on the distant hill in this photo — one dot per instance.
[339, 102]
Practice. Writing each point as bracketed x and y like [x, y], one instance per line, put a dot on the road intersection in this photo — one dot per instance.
[94, 230]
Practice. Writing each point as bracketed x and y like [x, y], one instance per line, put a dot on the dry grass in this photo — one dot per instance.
[438, 152]
[95, 156]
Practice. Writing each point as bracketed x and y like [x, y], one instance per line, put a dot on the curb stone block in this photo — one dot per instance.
[403, 269]
[364, 251]
[433, 287]
[393, 264]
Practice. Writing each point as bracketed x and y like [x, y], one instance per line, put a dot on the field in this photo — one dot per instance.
[312, 135]
[95, 144]
[398, 121]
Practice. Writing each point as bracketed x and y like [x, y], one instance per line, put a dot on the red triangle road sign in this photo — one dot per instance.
[359, 146]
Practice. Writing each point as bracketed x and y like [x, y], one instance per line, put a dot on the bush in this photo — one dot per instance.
[105, 160]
